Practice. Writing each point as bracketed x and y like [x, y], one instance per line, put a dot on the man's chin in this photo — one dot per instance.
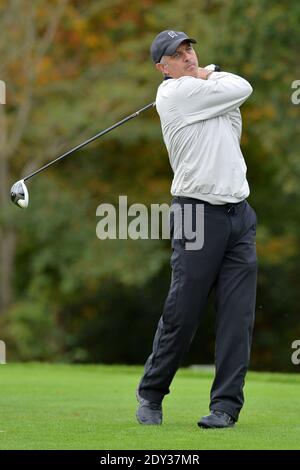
[192, 72]
[188, 72]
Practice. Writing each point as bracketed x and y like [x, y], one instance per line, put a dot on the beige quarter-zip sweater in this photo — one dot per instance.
[201, 126]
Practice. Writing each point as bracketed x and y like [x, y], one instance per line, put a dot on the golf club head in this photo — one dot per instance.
[19, 194]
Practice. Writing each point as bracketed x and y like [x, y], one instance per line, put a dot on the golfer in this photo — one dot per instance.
[201, 126]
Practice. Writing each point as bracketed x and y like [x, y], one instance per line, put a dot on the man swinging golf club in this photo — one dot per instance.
[201, 126]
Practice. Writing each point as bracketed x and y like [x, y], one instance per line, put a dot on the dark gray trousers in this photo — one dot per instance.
[226, 263]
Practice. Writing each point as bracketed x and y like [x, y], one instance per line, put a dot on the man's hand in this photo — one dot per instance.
[204, 73]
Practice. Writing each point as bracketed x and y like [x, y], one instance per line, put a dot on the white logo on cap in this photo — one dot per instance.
[172, 34]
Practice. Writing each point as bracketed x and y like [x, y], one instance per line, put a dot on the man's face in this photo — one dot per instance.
[183, 62]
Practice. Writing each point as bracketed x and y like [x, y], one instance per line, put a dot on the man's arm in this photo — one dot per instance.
[236, 122]
[235, 115]
[200, 99]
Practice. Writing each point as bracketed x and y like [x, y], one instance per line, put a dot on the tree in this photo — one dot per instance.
[73, 69]
[23, 48]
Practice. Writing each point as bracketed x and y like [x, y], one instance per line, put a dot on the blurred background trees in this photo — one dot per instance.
[73, 68]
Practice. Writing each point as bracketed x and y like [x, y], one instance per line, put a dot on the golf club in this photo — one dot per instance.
[19, 193]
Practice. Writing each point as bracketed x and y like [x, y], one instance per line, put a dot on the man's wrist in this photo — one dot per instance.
[208, 74]
[209, 69]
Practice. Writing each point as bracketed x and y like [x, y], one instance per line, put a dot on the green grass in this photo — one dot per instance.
[47, 406]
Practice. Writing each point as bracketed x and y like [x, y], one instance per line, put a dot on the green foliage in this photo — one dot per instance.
[31, 332]
[69, 285]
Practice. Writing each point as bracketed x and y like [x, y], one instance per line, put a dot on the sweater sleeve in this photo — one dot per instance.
[198, 99]
[236, 122]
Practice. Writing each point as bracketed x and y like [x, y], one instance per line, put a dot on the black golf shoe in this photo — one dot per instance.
[217, 419]
[148, 412]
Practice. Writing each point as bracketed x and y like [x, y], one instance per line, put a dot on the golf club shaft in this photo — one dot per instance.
[100, 134]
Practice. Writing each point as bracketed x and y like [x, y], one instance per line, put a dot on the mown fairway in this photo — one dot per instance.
[47, 406]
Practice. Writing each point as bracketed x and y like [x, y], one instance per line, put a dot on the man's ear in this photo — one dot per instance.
[160, 68]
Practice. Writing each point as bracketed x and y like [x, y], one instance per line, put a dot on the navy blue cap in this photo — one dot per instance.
[167, 42]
